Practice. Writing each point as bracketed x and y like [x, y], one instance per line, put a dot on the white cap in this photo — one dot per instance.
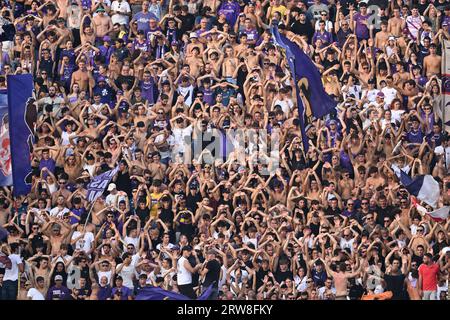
[439, 150]
[193, 35]
[111, 186]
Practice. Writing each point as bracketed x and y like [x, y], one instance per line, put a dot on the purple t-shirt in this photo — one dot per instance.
[415, 136]
[252, 34]
[326, 37]
[361, 30]
[49, 164]
[231, 11]
[126, 292]
[147, 89]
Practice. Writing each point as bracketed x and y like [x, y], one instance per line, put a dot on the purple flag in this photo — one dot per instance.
[98, 185]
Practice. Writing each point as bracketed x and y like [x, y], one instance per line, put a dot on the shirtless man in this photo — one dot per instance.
[396, 24]
[82, 76]
[382, 36]
[195, 62]
[346, 186]
[432, 63]
[103, 24]
[340, 279]
[58, 233]
[194, 43]
[230, 63]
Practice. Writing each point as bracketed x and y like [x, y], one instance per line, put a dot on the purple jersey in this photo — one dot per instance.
[252, 34]
[231, 11]
[148, 90]
[361, 30]
[326, 37]
[143, 46]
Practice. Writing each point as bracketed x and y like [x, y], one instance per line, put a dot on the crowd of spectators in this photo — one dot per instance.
[130, 84]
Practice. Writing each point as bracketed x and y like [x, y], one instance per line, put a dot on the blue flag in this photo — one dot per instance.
[21, 111]
[291, 61]
[312, 99]
[98, 185]
[5, 150]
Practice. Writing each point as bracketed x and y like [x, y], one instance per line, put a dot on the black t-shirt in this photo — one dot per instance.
[315, 228]
[383, 213]
[260, 274]
[417, 259]
[191, 201]
[213, 273]
[282, 276]
[143, 214]
[123, 183]
[187, 22]
[396, 284]
[302, 29]
[167, 216]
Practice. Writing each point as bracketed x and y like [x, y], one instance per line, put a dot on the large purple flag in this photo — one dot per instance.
[157, 293]
[22, 119]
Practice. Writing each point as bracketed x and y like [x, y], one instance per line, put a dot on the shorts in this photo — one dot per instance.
[429, 295]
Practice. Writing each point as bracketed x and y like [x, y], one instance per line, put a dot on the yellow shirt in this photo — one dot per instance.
[154, 202]
[281, 9]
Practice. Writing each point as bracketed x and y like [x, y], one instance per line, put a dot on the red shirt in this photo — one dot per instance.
[429, 276]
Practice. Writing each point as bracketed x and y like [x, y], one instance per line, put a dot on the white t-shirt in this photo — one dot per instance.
[389, 94]
[59, 213]
[113, 199]
[35, 294]
[127, 273]
[85, 243]
[347, 244]
[106, 274]
[321, 291]
[122, 7]
[178, 138]
[13, 273]
[134, 241]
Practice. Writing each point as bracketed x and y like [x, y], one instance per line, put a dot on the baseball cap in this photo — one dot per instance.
[101, 78]
[380, 94]
[107, 38]
[100, 9]
[111, 186]
[391, 38]
[58, 278]
[193, 35]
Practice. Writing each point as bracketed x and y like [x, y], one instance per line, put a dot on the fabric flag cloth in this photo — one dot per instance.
[5, 150]
[440, 214]
[443, 107]
[424, 187]
[291, 61]
[305, 72]
[7, 30]
[157, 293]
[98, 185]
[21, 129]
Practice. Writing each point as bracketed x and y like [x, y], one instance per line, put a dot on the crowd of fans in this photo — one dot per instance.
[127, 84]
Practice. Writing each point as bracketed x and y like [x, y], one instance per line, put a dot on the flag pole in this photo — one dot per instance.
[89, 214]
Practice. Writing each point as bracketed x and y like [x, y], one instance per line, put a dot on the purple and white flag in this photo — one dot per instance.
[98, 185]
